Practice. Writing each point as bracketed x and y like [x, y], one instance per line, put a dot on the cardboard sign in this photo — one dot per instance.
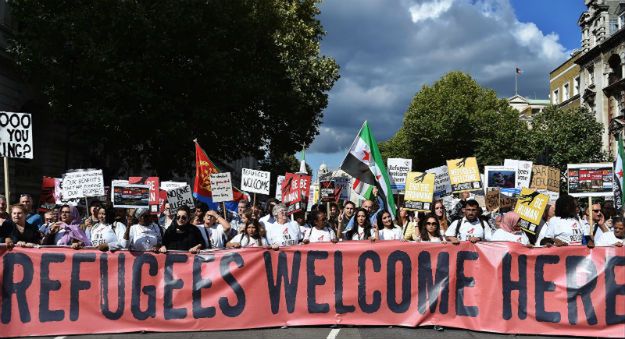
[492, 199]
[326, 191]
[464, 175]
[179, 197]
[545, 178]
[16, 135]
[125, 195]
[591, 180]
[398, 168]
[530, 207]
[523, 171]
[170, 185]
[81, 184]
[295, 190]
[47, 198]
[442, 185]
[255, 181]
[221, 187]
[419, 191]
[279, 181]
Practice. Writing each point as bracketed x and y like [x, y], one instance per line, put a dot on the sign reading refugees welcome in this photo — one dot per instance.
[464, 175]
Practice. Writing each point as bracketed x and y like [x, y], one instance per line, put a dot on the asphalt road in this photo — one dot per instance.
[317, 332]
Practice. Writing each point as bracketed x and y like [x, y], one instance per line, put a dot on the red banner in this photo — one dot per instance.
[494, 287]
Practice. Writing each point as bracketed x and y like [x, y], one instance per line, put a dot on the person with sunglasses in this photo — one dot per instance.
[600, 224]
[181, 235]
[144, 235]
[430, 229]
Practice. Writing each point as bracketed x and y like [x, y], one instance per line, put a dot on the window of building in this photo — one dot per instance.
[591, 75]
[576, 86]
[621, 20]
[565, 92]
[556, 96]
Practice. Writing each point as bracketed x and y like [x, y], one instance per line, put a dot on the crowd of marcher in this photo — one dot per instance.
[108, 229]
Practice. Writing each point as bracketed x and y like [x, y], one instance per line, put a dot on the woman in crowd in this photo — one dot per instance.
[283, 232]
[214, 230]
[362, 229]
[17, 231]
[441, 214]
[320, 231]
[181, 235]
[387, 229]
[403, 219]
[108, 234]
[411, 233]
[67, 231]
[252, 236]
[510, 230]
[143, 235]
[347, 213]
[430, 229]
[613, 238]
[565, 228]
[166, 218]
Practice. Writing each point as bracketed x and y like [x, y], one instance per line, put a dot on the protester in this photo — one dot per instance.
[3, 203]
[469, 228]
[300, 219]
[387, 229]
[346, 215]
[32, 217]
[237, 223]
[565, 228]
[269, 217]
[411, 232]
[430, 229]
[67, 231]
[402, 219]
[613, 238]
[362, 229]
[48, 220]
[166, 217]
[214, 230]
[131, 219]
[600, 224]
[197, 218]
[252, 236]
[283, 232]
[144, 235]
[108, 234]
[181, 235]
[510, 230]
[320, 231]
[256, 211]
[19, 232]
[441, 214]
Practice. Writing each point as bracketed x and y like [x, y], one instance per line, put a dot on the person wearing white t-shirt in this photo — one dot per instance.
[469, 228]
[271, 216]
[387, 229]
[613, 238]
[362, 229]
[251, 237]
[214, 230]
[565, 229]
[430, 230]
[320, 232]
[107, 234]
[145, 235]
[283, 232]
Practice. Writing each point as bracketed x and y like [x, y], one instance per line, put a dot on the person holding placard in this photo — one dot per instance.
[108, 234]
[17, 231]
[469, 228]
[320, 232]
[182, 236]
[283, 232]
[252, 236]
[143, 235]
[565, 228]
[387, 229]
[362, 229]
[214, 230]
[430, 230]
[613, 238]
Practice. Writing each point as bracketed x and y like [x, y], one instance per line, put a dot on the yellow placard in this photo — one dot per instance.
[419, 191]
[464, 175]
[531, 205]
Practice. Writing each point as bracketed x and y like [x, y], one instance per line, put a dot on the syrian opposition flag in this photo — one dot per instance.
[364, 163]
[619, 193]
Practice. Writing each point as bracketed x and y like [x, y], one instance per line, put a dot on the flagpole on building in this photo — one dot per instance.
[516, 76]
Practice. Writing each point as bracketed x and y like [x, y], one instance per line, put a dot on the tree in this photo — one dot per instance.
[456, 117]
[137, 81]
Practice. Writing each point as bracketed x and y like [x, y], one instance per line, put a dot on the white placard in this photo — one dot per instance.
[221, 187]
[180, 196]
[279, 181]
[398, 168]
[255, 181]
[81, 184]
[442, 184]
[170, 185]
[524, 171]
[16, 135]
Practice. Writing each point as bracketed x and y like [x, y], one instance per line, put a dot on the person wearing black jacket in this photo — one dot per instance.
[182, 236]
[17, 231]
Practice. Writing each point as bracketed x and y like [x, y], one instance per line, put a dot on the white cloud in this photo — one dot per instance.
[429, 10]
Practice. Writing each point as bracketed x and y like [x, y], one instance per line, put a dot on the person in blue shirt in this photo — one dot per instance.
[32, 217]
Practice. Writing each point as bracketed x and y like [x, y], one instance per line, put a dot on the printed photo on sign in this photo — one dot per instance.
[590, 180]
[124, 195]
[16, 135]
[499, 176]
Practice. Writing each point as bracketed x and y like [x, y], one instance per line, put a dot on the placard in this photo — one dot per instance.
[545, 178]
[295, 190]
[419, 191]
[530, 207]
[464, 175]
[279, 181]
[179, 197]
[16, 135]
[326, 191]
[398, 168]
[492, 199]
[504, 178]
[255, 181]
[523, 171]
[591, 180]
[342, 185]
[170, 185]
[125, 195]
[81, 184]
[442, 185]
[221, 187]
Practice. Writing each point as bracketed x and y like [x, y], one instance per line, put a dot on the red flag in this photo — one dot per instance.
[203, 169]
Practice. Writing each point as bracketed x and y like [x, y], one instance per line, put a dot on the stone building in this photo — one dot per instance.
[564, 83]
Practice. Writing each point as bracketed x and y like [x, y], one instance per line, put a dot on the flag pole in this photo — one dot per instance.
[516, 86]
[6, 179]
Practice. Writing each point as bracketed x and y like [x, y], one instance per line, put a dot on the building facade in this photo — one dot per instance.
[527, 107]
[564, 83]
[602, 85]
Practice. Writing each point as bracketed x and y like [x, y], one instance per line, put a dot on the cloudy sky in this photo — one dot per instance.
[388, 49]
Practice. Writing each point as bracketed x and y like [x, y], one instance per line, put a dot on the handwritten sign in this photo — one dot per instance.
[221, 187]
[545, 178]
[16, 135]
[81, 184]
[419, 191]
[492, 199]
[255, 181]
[398, 168]
[464, 175]
[179, 197]
[170, 185]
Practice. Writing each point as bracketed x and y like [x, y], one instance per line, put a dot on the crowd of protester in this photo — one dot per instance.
[108, 229]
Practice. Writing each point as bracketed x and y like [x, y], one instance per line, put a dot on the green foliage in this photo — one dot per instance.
[456, 117]
[138, 80]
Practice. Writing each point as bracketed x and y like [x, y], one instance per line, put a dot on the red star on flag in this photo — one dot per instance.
[620, 173]
[365, 157]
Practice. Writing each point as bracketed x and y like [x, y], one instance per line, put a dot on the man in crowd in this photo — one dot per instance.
[470, 227]
[32, 217]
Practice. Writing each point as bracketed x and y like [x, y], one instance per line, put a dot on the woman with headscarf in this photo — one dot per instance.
[67, 231]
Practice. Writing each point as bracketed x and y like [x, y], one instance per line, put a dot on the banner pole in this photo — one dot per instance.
[6, 181]
[328, 210]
